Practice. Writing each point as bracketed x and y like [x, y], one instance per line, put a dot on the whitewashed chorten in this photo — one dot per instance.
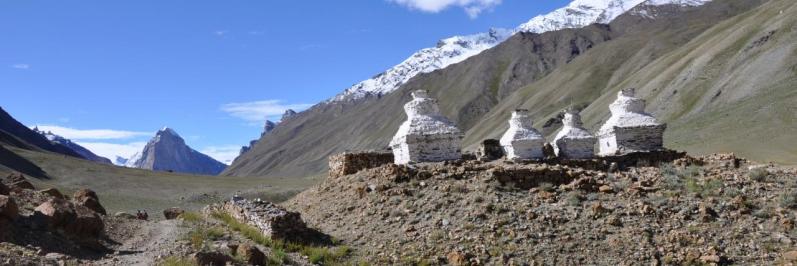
[573, 141]
[427, 135]
[629, 129]
[521, 140]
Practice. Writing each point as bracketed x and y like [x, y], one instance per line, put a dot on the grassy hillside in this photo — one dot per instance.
[544, 73]
[126, 189]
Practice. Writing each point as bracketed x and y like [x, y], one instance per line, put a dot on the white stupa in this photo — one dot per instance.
[521, 140]
[427, 135]
[629, 129]
[573, 141]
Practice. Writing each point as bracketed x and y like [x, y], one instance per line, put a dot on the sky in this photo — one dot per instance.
[109, 74]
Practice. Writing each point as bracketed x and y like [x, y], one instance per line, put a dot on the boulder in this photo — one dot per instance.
[172, 213]
[87, 223]
[55, 213]
[4, 190]
[8, 208]
[85, 193]
[251, 255]
[211, 258]
[88, 198]
[52, 192]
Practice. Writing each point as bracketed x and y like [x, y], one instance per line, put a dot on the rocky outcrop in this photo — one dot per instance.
[351, 162]
[167, 151]
[427, 135]
[267, 128]
[521, 140]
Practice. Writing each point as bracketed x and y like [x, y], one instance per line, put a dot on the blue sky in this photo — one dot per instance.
[110, 73]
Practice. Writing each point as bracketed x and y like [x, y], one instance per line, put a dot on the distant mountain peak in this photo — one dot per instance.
[167, 151]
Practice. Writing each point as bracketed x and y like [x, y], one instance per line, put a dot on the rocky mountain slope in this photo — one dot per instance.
[167, 151]
[544, 73]
[74, 146]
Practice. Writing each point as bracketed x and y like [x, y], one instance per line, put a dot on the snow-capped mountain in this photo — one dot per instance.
[86, 153]
[448, 51]
[577, 14]
[167, 151]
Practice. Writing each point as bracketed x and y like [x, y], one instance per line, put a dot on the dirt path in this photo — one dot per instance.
[147, 243]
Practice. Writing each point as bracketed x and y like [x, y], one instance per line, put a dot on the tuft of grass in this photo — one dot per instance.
[199, 236]
[574, 198]
[788, 199]
[759, 174]
[176, 261]
[192, 217]
[547, 187]
[316, 255]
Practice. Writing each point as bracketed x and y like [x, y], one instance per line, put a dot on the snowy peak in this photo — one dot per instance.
[581, 13]
[577, 14]
[448, 51]
[82, 151]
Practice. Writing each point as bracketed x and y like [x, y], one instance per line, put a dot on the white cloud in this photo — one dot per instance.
[257, 112]
[472, 7]
[90, 134]
[21, 66]
[111, 150]
[224, 154]
[220, 33]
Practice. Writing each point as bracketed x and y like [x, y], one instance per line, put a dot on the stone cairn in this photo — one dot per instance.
[630, 129]
[521, 140]
[427, 135]
[573, 141]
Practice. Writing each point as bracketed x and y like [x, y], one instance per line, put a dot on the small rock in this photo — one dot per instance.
[124, 215]
[172, 213]
[8, 208]
[606, 189]
[710, 259]
[251, 254]
[456, 258]
[211, 258]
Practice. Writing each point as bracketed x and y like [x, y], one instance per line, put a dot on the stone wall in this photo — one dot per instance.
[352, 162]
[274, 221]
